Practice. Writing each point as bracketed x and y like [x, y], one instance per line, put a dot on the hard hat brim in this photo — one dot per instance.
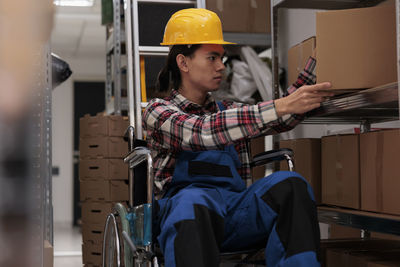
[205, 42]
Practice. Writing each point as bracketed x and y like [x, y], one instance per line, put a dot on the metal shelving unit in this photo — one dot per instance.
[41, 190]
[388, 224]
[115, 46]
[368, 106]
[135, 51]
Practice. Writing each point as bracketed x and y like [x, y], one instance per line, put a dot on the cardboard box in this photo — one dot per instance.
[384, 263]
[254, 15]
[356, 48]
[341, 232]
[297, 58]
[340, 181]
[92, 233]
[104, 190]
[102, 125]
[307, 161]
[109, 169]
[92, 254]
[380, 172]
[102, 147]
[354, 258]
[376, 235]
[354, 245]
[48, 254]
[95, 212]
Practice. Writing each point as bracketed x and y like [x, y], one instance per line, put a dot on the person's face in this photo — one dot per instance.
[205, 67]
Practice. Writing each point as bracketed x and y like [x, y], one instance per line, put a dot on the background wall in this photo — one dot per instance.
[84, 69]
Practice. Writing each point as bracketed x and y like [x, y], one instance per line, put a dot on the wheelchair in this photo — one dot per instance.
[128, 239]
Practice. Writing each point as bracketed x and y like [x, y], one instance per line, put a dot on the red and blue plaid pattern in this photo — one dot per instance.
[174, 124]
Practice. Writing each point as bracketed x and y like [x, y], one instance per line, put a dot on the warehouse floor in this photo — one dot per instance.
[67, 245]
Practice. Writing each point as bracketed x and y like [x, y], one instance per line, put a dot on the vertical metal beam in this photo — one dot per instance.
[136, 67]
[47, 148]
[117, 56]
[108, 82]
[201, 4]
[275, 49]
[128, 45]
[275, 67]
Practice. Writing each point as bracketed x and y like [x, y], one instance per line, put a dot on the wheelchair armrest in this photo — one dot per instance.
[272, 156]
[137, 156]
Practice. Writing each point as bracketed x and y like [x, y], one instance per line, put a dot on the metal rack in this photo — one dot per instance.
[371, 221]
[41, 154]
[115, 46]
[365, 107]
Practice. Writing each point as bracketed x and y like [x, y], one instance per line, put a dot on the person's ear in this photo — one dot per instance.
[181, 62]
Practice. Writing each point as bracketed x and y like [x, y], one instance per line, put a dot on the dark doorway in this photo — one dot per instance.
[89, 98]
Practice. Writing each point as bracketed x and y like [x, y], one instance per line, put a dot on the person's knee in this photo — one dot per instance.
[289, 190]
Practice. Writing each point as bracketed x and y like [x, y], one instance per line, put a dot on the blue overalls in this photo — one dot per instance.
[208, 209]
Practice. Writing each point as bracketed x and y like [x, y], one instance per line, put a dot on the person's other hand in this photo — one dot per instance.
[304, 99]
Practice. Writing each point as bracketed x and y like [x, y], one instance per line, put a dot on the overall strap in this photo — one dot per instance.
[221, 106]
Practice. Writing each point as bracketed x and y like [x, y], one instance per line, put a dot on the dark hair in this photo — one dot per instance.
[170, 76]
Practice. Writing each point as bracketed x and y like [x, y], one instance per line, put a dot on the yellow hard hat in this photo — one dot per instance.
[193, 26]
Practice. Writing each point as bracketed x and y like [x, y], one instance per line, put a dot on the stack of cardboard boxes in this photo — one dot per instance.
[103, 178]
[356, 171]
[355, 48]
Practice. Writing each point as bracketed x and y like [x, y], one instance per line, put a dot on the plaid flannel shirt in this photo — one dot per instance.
[174, 124]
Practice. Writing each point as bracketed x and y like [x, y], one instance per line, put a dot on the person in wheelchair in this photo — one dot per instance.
[201, 161]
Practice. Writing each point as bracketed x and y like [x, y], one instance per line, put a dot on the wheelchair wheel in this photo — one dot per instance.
[111, 243]
[115, 251]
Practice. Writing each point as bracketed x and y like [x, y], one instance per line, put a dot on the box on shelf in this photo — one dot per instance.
[92, 254]
[95, 212]
[104, 190]
[354, 245]
[359, 258]
[379, 171]
[356, 48]
[254, 15]
[384, 263]
[341, 232]
[92, 233]
[109, 169]
[298, 56]
[102, 125]
[102, 147]
[340, 180]
[307, 161]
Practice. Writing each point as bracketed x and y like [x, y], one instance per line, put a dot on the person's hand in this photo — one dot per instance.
[304, 99]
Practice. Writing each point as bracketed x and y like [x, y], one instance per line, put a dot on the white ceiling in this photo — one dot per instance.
[78, 33]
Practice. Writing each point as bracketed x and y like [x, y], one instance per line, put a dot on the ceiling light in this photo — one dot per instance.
[74, 2]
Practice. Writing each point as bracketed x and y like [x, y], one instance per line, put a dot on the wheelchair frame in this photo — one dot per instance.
[143, 254]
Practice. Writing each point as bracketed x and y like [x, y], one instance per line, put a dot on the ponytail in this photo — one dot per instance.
[170, 76]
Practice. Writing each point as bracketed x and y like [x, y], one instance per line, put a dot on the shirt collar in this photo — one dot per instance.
[188, 106]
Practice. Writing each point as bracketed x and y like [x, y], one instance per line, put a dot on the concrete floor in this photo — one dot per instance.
[67, 245]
